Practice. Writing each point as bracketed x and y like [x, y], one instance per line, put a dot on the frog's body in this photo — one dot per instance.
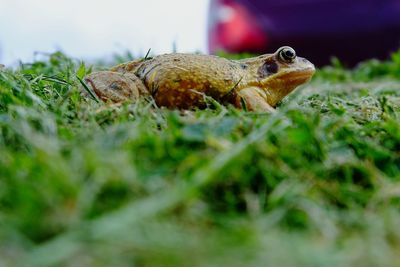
[182, 80]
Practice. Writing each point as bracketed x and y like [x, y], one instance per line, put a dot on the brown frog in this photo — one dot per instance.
[183, 80]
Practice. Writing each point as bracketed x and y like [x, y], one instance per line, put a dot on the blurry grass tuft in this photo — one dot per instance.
[365, 71]
[83, 183]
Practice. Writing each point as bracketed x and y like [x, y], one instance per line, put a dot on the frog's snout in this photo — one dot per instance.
[305, 65]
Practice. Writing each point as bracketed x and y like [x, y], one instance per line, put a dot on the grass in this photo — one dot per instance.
[88, 184]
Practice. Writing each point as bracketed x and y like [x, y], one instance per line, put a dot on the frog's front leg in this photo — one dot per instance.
[116, 86]
[252, 99]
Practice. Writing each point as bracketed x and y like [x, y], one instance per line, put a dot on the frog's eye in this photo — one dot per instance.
[287, 54]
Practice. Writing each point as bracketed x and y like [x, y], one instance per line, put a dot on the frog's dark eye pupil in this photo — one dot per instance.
[287, 54]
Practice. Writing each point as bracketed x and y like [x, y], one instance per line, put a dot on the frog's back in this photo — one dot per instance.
[182, 80]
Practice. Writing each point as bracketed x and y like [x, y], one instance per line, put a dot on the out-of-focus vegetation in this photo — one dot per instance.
[89, 184]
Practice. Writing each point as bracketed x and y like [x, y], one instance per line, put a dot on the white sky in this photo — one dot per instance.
[96, 28]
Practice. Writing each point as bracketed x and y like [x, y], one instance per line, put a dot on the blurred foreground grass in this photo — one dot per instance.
[88, 184]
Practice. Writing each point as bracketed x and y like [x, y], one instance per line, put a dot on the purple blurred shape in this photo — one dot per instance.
[318, 29]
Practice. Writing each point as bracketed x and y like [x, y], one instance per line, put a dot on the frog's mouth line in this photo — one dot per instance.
[298, 76]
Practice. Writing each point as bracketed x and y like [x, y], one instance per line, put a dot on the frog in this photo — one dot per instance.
[188, 81]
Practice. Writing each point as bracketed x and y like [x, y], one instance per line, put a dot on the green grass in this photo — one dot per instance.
[88, 184]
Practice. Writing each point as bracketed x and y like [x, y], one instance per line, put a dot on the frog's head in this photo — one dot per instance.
[280, 73]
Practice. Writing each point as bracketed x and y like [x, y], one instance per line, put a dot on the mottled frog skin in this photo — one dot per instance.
[183, 80]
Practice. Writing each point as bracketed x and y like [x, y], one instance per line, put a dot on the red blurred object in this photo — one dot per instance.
[233, 28]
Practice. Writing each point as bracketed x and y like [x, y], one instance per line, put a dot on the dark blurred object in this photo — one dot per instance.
[352, 30]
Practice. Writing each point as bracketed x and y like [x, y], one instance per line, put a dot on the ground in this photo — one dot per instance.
[84, 183]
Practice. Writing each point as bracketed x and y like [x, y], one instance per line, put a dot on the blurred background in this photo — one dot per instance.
[93, 29]
[351, 30]
[318, 29]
